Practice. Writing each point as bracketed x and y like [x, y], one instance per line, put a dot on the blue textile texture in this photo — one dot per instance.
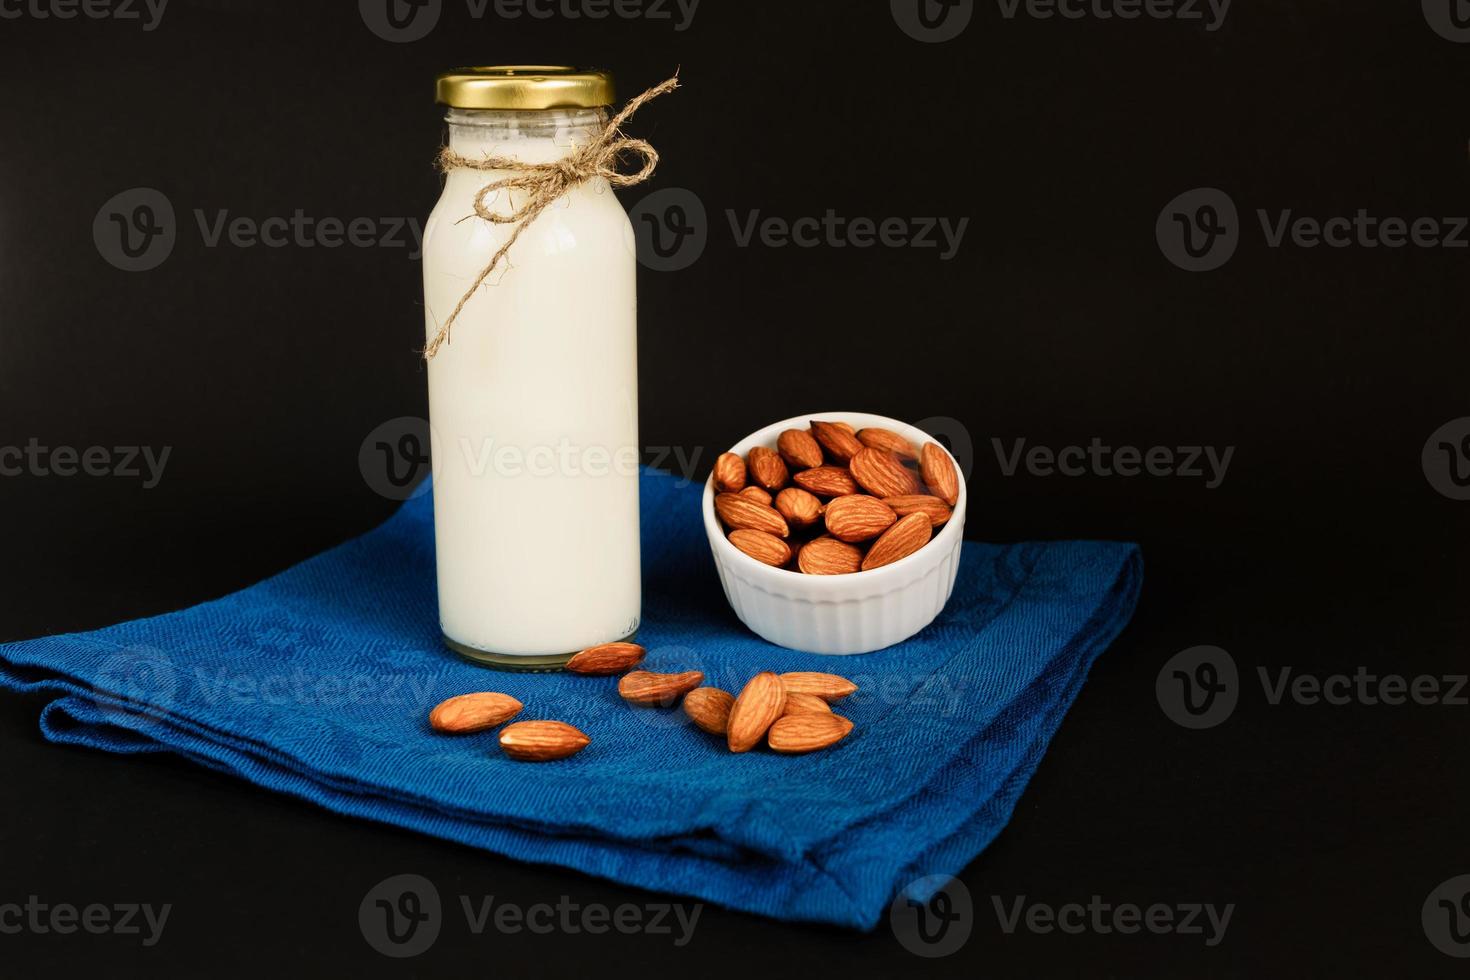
[318, 682]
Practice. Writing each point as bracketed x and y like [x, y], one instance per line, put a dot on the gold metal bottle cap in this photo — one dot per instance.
[523, 87]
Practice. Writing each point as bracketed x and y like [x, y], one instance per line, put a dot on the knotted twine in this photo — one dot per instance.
[545, 182]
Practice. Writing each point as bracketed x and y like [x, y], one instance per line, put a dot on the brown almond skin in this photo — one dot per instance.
[729, 473]
[858, 517]
[828, 687]
[880, 473]
[660, 690]
[837, 439]
[766, 468]
[541, 741]
[756, 493]
[828, 556]
[807, 732]
[606, 659]
[800, 507]
[931, 507]
[739, 512]
[797, 703]
[899, 541]
[467, 714]
[760, 703]
[826, 481]
[800, 449]
[763, 547]
[709, 708]
[888, 440]
[939, 473]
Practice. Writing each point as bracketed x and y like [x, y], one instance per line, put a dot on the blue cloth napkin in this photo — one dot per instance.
[317, 683]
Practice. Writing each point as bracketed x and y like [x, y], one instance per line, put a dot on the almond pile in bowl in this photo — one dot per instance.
[833, 500]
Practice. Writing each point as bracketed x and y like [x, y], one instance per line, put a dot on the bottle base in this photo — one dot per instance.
[539, 664]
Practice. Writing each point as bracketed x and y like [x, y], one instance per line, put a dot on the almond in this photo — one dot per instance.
[888, 440]
[826, 481]
[729, 473]
[920, 503]
[800, 449]
[799, 507]
[858, 517]
[606, 658]
[761, 702]
[838, 439]
[741, 512]
[756, 493]
[845, 427]
[899, 541]
[796, 703]
[939, 473]
[470, 713]
[541, 741]
[709, 708]
[828, 687]
[661, 690]
[880, 473]
[762, 547]
[766, 468]
[807, 732]
[828, 556]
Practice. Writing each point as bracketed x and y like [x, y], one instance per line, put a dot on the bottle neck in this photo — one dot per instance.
[527, 135]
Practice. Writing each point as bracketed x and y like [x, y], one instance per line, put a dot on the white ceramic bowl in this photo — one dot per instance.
[841, 614]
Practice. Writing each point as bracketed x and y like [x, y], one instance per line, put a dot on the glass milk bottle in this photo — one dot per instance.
[533, 402]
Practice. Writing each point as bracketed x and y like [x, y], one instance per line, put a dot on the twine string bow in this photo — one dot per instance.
[542, 183]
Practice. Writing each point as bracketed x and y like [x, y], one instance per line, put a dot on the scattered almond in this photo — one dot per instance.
[660, 690]
[766, 468]
[756, 493]
[760, 703]
[899, 541]
[470, 713]
[799, 507]
[879, 472]
[606, 658]
[939, 473]
[541, 741]
[709, 708]
[837, 439]
[807, 732]
[800, 449]
[920, 503]
[762, 547]
[858, 517]
[828, 687]
[796, 703]
[888, 440]
[729, 473]
[743, 513]
[828, 556]
[826, 481]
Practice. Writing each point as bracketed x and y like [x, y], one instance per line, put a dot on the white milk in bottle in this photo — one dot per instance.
[533, 402]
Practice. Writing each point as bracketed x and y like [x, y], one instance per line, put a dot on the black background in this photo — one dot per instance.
[1060, 320]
